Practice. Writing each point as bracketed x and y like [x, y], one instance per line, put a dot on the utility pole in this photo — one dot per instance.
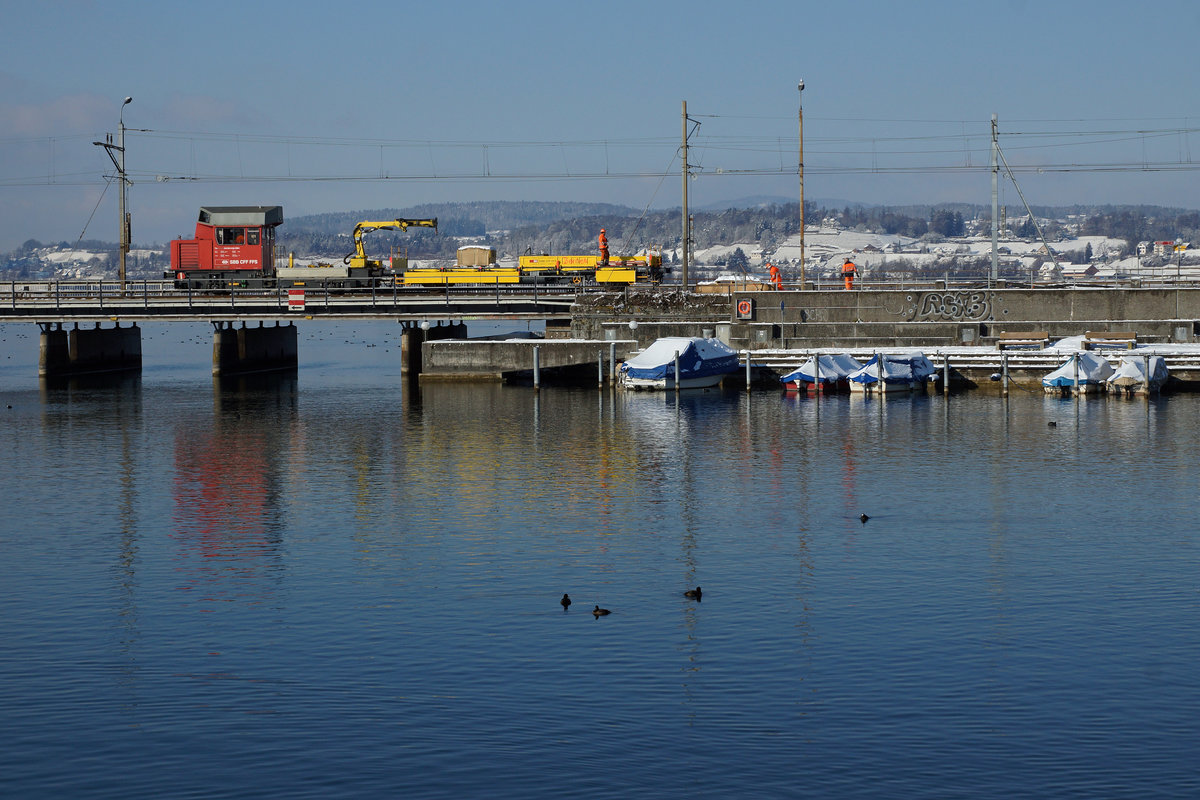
[995, 275]
[125, 226]
[801, 120]
[687, 231]
[119, 162]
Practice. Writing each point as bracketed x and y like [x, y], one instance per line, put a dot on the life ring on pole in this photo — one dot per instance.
[745, 308]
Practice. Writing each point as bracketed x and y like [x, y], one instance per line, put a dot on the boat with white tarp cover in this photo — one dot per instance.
[1130, 374]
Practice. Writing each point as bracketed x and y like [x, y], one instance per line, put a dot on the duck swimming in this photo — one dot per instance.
[696, 593]
[566, 601]
[600, 612]
[863, 518]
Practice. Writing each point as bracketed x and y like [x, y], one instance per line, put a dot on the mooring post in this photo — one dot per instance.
[946, 374]
[816, 374]
[1004, 373]
[612, 361]
[1146, 382]
[747, 371]
[676, 371]
[537, 376]
[600, 369]
[1075, 373]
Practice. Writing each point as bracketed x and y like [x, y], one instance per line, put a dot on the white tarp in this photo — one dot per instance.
[1132, 371]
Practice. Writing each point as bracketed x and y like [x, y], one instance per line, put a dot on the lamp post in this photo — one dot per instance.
[800, 87]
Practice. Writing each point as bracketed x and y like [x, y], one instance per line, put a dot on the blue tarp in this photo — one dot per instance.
[1092, 369]
[834, 367]
[890, 368]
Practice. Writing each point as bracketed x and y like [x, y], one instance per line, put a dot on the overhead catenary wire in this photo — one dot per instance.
[1032, 216]
[886, 154]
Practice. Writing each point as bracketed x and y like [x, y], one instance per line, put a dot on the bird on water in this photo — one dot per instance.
[566, 601]
[600, 612]
[696, 593]
[863, 518]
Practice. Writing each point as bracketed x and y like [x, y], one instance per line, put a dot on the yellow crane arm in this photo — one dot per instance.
[360, 254]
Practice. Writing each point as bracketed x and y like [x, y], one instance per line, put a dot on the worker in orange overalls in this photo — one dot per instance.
[603, 249]
[776, 276]
[849, 270]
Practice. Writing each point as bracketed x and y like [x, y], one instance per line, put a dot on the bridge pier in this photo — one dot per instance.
[88, 350]
[241, 350]
[414, 336]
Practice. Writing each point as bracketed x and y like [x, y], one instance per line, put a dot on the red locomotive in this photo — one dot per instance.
[234, 246]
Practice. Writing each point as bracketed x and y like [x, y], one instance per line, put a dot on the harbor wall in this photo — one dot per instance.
[925, 317]
[413, 339]
[488, 360]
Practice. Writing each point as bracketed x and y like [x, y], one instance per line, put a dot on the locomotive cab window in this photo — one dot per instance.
[231, 235]
[252, 236]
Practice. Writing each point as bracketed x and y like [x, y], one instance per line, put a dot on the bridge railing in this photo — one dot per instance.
[88, 296]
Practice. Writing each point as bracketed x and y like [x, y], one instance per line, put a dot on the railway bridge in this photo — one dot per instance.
[92, 326]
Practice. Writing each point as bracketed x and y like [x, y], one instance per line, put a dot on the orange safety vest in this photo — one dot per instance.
[849, 268]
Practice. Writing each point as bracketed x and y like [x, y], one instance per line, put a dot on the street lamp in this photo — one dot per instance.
[800, 87]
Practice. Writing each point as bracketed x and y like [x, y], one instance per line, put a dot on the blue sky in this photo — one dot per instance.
[327, 107]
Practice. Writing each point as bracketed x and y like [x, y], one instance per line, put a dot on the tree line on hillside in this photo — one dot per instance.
[516, 227]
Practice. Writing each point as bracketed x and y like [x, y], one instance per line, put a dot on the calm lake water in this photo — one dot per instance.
[332, 586]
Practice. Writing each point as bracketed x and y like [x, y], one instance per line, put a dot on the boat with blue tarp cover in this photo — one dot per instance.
[831, 370]
[702, 363]
[1083, 373]
[892, 372]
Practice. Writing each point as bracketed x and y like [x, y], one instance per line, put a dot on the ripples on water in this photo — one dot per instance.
[329, 586]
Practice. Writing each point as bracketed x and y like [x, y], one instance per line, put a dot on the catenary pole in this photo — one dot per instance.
[801, 137]
[683, 260]
[995, 273]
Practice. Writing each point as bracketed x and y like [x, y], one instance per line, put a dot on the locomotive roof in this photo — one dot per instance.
[241, 215]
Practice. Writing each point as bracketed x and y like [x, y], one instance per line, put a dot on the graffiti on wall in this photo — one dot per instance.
[968, 306]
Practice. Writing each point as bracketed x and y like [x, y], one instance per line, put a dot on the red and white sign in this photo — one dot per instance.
[295, 299]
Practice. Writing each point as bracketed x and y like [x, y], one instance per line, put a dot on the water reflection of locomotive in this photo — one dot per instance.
[235, 247]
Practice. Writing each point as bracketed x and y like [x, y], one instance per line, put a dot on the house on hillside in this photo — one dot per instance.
[1079, 271]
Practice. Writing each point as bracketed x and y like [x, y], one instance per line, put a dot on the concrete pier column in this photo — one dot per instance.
[415, 335]
[262, 349]
[88, 350]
